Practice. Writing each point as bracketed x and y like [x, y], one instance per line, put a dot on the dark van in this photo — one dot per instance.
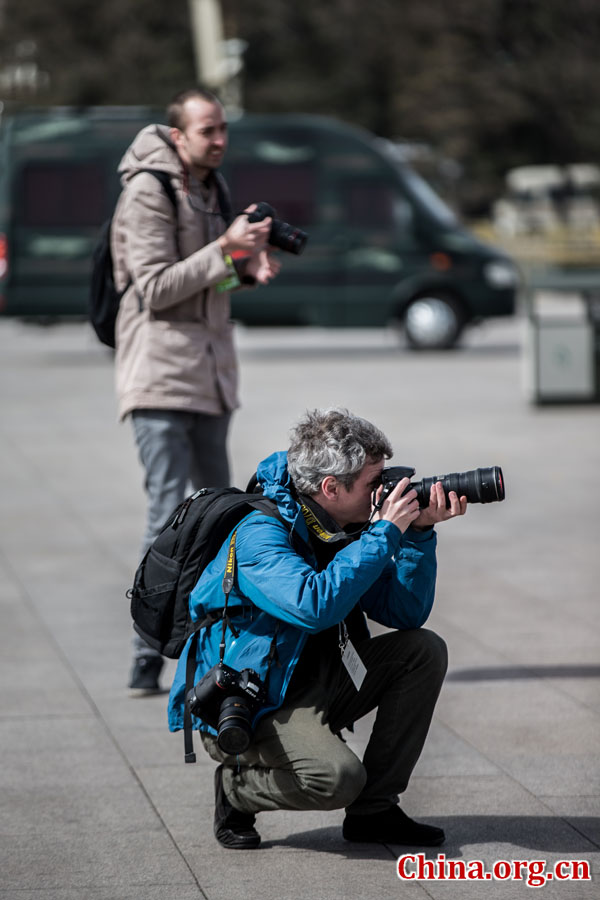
[383, 247]
[58, 184]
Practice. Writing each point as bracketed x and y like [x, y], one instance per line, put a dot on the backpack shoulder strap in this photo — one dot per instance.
[267, 507]
[165, 180]
[223, 198]
[260, 504]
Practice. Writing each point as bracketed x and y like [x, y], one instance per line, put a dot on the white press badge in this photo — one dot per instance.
[354, 665]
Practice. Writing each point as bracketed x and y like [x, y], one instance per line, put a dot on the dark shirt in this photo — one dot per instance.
[321, 654]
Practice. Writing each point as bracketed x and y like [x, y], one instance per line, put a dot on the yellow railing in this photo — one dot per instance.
[560, 247]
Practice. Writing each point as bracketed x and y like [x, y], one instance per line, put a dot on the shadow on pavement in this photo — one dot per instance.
[509, 673]
[288, 353]
[542, 834]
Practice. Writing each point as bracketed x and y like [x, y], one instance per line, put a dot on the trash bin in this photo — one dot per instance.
[562, 346]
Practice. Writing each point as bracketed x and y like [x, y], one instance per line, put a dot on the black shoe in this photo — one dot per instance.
[391, 827]
[145, 672]
[233, 829]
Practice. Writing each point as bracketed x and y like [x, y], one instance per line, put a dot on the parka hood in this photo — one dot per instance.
[152, 148]
[274, 478]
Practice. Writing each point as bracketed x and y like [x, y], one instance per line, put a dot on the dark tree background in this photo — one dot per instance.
[102, 51]
[489, 83]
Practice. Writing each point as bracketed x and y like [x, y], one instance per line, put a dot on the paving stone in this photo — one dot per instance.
[91, 778]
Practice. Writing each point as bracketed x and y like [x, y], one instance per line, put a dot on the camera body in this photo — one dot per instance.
[282, 235]
[477, 485]
[228, 701]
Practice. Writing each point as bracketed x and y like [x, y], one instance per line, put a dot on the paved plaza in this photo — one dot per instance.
[96, 800]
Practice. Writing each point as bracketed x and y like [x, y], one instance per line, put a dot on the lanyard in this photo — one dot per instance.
[317, 528]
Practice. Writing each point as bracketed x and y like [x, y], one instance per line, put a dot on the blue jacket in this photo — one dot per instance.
[279, 592]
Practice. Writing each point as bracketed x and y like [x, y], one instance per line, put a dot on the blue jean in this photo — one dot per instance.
[177, 448]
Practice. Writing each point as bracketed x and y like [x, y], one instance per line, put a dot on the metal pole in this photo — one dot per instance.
[207, 35]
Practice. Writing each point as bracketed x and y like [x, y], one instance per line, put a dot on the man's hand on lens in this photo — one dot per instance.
[401, 510]
[437, 511]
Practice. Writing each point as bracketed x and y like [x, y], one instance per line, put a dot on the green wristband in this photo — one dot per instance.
[231, 280]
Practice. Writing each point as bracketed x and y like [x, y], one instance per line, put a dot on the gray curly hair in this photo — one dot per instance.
[332, 442]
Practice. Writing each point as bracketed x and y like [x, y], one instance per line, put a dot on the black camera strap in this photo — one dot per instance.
[228, 581]
[190, 666]
[273, 656]
[190, 671]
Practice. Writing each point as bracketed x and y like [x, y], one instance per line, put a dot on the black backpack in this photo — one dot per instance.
[104, 297]
[190, 539]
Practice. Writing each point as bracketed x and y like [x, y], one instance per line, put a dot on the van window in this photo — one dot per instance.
[291, 189]
[368, 205]
[376, 206]
[434, 204]
[62, 195]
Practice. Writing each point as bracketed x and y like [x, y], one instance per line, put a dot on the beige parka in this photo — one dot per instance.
[174, 336]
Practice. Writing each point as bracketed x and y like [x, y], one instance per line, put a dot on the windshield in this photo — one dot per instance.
[428, 198]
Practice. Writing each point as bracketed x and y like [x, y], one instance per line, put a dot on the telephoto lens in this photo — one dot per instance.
[478, 485]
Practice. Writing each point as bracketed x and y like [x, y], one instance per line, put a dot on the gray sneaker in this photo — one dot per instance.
[145, 672]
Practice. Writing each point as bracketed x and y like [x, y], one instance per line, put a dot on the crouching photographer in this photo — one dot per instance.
[291, 663]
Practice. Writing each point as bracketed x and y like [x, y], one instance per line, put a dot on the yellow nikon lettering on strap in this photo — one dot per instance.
[231, 555]
[229, 575]
[313, 523]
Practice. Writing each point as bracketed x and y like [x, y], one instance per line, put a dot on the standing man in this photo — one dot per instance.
[176, 367]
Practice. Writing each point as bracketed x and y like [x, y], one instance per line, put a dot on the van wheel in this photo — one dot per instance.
[433, 322]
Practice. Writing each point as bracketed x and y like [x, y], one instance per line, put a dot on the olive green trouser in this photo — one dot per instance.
[297, 760]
